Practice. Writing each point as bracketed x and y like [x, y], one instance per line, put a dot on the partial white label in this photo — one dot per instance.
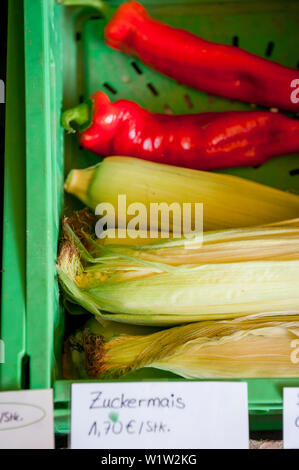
[159, 415]
[291, 418]
[26, 419]
[2, 351]
[2, 91]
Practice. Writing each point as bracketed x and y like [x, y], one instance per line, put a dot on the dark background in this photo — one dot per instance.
[3, 44]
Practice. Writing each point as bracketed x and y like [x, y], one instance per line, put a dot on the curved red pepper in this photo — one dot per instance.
[204, 141]
[214, 68]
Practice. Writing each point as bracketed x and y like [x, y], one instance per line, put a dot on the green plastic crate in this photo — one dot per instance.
[65, 61]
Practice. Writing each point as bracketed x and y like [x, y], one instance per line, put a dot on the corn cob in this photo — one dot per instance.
[228, 201]
[139, 286]
[251, 347]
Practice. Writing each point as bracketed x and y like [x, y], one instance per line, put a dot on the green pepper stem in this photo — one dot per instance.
[80, 115]
[97, 4]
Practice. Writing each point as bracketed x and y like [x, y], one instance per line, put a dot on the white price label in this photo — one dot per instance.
[26, 419]
[291, 418]
[159, 415]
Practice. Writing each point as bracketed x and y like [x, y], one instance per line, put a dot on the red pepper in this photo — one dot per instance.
[204, 141]
[214, 68]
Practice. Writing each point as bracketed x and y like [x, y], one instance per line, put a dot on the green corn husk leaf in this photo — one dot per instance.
[130, 285]
[241, 348]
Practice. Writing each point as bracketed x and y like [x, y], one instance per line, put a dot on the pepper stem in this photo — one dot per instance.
[80, 115]
[97, 4]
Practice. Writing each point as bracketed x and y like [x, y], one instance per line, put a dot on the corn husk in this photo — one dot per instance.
[138, 286]
[241, 348]
[278, 241]
[228, 201]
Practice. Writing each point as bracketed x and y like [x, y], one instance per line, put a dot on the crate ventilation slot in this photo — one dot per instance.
[269, 49]
[167, 109]
[136, 68]
[110, 88]
[152, 89]
[235, 41]
[188, 101]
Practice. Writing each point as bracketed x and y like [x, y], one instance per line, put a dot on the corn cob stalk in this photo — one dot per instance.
[152, 292]
[228, 201]
[239, 348]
